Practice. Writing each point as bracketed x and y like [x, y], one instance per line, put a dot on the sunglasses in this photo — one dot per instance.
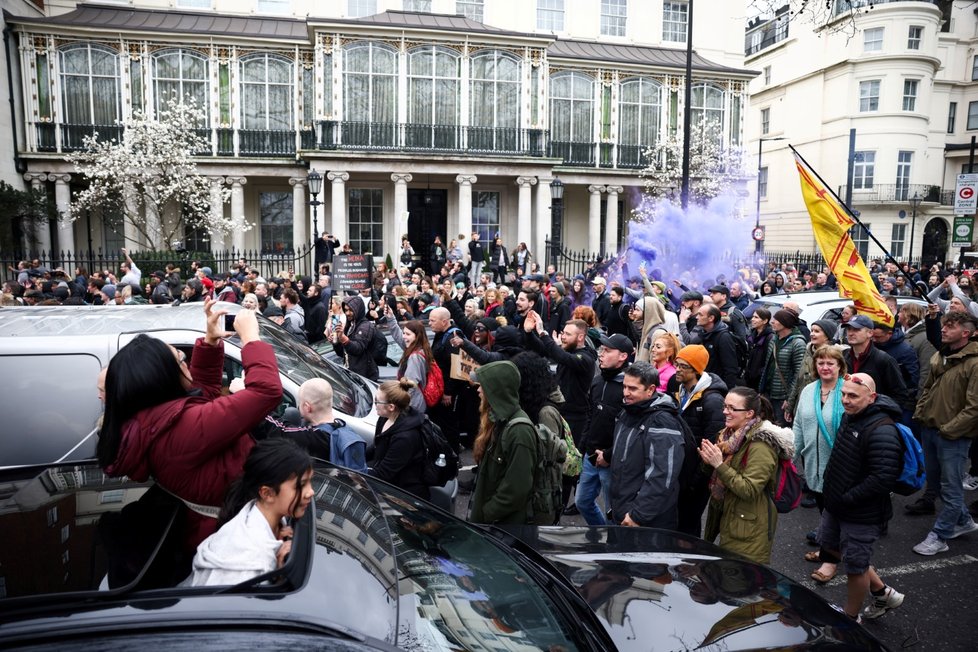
[855, 379]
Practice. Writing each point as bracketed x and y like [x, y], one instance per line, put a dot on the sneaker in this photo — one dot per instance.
[890, 599]
[971, 526]
[920, 507]
[932, 545]
[970, 482]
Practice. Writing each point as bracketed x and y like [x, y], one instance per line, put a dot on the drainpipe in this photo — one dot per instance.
[19, 164]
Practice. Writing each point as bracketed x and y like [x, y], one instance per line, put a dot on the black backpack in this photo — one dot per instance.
[378, 347]
[440, 459]
[691, 455]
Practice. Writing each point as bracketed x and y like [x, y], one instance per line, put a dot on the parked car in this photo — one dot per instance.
[819, 305]
[91, 560]
[53, 354]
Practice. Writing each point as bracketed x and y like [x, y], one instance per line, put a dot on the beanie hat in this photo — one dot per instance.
[696, 356]
[787, 318]
[109, 290]
[829, 327]
[507, 337]
[490, 323]
[557, 285]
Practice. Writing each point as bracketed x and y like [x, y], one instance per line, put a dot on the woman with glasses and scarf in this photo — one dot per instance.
[741, 515]
[398, 455]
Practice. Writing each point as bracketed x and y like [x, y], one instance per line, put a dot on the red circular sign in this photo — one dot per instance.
[966, 193]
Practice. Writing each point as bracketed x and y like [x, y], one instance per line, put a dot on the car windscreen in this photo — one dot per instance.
[454, 586]
[301, 363]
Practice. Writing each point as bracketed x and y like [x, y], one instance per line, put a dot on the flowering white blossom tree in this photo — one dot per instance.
[151, 179]
[714, 169]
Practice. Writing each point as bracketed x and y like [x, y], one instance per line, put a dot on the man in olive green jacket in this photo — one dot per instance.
[506, 457]
[948, 413]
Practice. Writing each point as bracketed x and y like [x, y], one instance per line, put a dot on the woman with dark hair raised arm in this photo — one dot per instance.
[168, 420]
[745, 462]
[417, 358]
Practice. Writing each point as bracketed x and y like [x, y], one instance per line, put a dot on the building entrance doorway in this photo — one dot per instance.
[428, 217]
[935, 243]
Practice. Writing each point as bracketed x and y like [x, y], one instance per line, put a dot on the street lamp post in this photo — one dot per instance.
[758, 244]
[914, 203]
[556, 218]
[315, 181]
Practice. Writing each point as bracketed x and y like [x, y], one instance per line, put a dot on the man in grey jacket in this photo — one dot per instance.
[647, 455]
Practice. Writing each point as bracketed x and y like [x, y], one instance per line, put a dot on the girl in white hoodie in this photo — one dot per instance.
[255, 536]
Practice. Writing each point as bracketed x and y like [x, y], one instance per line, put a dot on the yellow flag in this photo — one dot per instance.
[831, 224]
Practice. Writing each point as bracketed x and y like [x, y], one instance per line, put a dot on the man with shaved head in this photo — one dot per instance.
[346, 448]
[865, 462]
[443, 414]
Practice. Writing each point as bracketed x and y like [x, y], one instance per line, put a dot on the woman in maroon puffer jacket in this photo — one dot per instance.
[170, 422]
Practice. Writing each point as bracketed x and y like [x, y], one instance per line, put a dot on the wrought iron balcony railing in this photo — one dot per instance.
[898, 192]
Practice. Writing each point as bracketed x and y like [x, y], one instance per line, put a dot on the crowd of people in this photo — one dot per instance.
[682, 397]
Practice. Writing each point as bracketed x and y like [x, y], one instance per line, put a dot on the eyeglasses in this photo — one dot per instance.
[683, 366]
[729, 408]
[382, 403]
[481, 328]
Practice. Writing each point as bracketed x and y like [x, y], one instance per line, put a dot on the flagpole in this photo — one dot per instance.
[855, 218]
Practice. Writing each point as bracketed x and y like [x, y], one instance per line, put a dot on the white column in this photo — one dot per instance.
[539, 245]
[42, 230]
[524, 224]
[62, 199]
[338, 213]
[217, 210]
[238, 212]
[300, 223]
[401, 180]
[611, 223]
[594, 218]
[465, 183]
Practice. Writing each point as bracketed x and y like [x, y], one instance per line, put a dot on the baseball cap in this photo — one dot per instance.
[599, 280]
[618, 342]
[859, 321]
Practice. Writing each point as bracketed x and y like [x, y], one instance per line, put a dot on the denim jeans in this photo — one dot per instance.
[945, 460]
[594, 480]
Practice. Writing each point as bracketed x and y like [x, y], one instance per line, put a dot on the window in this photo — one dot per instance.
[897, 239]
[873, 39]
[762, 183]
[765, 121]
[276, 221]
[675, 16]
[471, 9]
[494, 98]
[572, 115]
[485, 214]
[111, 496]
[952, 116]
[639, 119]
[183, 74]
[417, 5]
[869, 95]
[767, 75]
[550, 15]
[266, 93]
[370, 93]
[65, 557]
[366, 211]
[913, 37]
[863, 170]
[707, 111]
[613, 13]
[972, 115]
[433, 98]
[358, 8]
[274, 6]
[974, 69]
[65, 533]
[860, 238]
[52, 516]
[113, 228]
[910, 94]
[92, 91]
[904, 161]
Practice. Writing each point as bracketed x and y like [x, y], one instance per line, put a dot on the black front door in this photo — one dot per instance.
[935, 243]
[428, 217]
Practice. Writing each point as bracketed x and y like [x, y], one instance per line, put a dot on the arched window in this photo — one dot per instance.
[267, 98]
[707, 110]
[92, 93]
[494, 101]
[369, 94]
[639, 119]
[183, 74]
[572, 117]
[433, 98]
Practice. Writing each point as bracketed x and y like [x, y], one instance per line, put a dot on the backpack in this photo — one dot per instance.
[546, 497]
[912, 476]
[788, 485]
[378, 347]
[434, 386]
[435, 448]
[691, 456]
[574, 462]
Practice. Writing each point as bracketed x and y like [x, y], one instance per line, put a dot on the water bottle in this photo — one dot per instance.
[441, 462]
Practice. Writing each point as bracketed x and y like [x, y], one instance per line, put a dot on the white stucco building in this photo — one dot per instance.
[459, 114]
[901, 74]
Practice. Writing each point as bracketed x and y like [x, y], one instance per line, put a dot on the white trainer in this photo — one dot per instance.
[932, 545]
[890, 599]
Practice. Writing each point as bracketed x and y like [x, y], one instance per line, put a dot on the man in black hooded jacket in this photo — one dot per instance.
[354, 342]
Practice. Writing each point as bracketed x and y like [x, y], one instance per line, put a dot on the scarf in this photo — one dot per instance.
[729, 443]
[834, 405]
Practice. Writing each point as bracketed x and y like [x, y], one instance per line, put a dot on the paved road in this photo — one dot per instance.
[940, 612]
